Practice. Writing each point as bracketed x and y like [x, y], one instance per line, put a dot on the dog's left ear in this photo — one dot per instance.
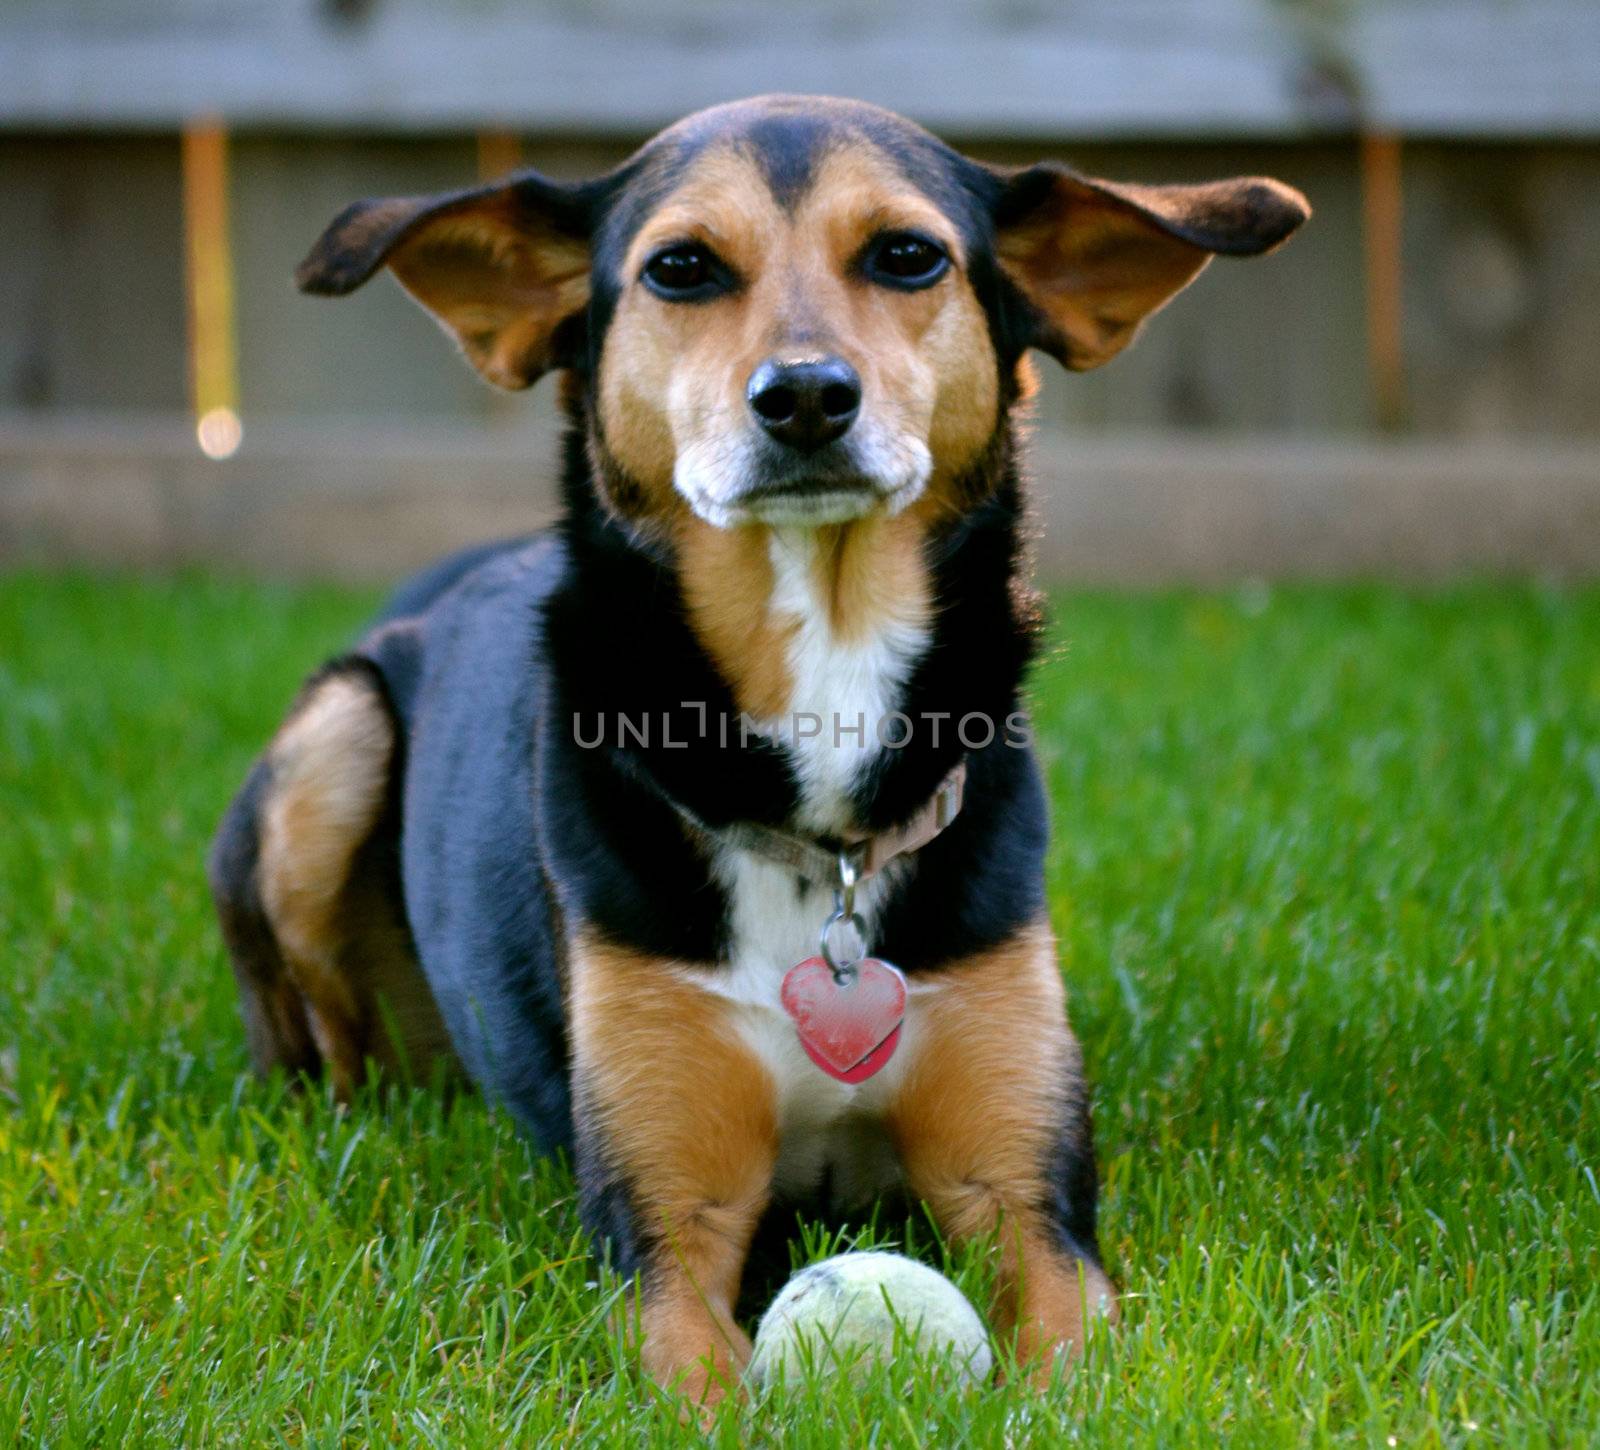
[503, 268]
[1095, 258]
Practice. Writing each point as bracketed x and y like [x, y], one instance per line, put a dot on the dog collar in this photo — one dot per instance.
[867, 855]
[847, 1006]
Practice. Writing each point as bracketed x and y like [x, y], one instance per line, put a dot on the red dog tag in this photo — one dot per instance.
[849, 1029]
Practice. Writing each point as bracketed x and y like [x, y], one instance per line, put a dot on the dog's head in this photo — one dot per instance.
[794, 310]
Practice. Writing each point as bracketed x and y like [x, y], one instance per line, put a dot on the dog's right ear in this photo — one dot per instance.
[501, 267]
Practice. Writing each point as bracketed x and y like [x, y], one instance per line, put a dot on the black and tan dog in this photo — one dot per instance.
[577, 806]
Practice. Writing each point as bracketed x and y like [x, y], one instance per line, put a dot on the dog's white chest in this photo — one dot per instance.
[845, 692]
[842, 693]
[830, 1131]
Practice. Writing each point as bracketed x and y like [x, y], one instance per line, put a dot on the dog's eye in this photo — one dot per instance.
[681, 272]
[903, 259]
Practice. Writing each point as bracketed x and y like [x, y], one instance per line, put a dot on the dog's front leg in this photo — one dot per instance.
[677, 1137]
[991, 1125]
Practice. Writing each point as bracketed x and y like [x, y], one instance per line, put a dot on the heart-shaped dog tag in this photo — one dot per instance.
[849, 1028]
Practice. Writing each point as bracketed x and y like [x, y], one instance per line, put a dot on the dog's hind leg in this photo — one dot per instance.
[308, 894]
[276, 1030]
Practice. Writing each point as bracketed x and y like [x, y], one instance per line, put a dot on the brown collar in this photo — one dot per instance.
[820, 862]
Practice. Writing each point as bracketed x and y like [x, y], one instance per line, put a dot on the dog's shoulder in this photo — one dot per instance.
[472, 614]
[418, 594]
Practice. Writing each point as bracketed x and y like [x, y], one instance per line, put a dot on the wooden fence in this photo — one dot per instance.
[1499, 289]
[1039, 69]
[1447, 290]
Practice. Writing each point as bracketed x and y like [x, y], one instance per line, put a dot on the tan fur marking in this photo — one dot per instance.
[925, 355]
[872, 573]
[974, 1124]
[671, 373]
[341, 941]
[674, 377]
[727, 582]
[686, 1113]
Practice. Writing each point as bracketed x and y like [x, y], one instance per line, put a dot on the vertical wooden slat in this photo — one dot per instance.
[499, 154]
[213, 358]
[1381, 218]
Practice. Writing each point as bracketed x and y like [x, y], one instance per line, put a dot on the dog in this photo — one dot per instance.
[701, 831]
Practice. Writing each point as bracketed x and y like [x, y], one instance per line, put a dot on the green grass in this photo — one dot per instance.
[1327, 871]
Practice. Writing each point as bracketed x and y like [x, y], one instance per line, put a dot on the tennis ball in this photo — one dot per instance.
[849, 1310]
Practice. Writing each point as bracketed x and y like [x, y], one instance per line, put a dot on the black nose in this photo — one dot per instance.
[805, 404]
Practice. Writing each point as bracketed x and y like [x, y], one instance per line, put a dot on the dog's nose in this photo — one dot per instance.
[807, 403]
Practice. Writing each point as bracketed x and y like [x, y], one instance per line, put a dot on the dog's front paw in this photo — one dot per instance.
[695, 1354]
[1057, 1318]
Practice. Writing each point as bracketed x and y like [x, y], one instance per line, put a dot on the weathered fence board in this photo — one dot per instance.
[91, 274]
[372, 353]
[1005, 67]
[1503, 289]
[370, 503]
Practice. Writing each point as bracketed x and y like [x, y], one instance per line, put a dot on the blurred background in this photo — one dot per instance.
[1411, 389]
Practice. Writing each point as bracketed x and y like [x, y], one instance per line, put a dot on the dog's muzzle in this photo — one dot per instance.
[751, 479]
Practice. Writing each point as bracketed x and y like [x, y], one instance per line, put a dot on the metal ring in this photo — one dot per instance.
[844, 969]
[844, 894]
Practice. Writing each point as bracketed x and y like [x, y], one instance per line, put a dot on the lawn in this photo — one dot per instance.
[1327, 874]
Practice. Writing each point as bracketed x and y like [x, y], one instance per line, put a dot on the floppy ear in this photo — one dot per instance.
[501, 267]
[1095, 258]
